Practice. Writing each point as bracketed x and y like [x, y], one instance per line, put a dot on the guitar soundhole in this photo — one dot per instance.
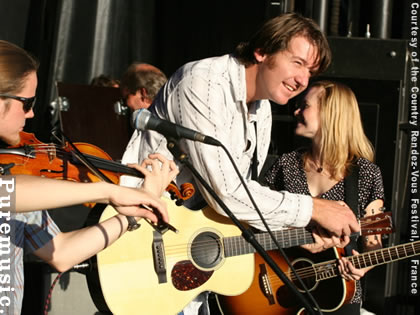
[206, 250]
[307, 276]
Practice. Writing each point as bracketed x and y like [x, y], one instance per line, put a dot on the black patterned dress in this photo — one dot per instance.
[287, 173]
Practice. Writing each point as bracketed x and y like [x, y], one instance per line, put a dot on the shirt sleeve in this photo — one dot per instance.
[378, 185]
[131, 156]
[39, 229]
[370, 183]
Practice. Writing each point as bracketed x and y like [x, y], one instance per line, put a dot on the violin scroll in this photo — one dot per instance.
[186, 192]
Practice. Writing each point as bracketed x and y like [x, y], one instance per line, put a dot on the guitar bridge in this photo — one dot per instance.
[265, 284]
[159, 257]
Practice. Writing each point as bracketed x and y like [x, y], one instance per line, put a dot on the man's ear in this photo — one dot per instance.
[144, 96]
[259, 57]
[143, 93]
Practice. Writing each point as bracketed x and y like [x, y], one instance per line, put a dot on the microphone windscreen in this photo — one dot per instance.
[140, 118]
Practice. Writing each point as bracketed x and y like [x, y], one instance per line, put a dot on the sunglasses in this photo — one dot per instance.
[28, 103]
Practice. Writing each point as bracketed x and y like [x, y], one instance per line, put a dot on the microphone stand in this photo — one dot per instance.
[247, 233]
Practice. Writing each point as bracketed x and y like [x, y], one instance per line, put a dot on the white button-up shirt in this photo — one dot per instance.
[209, 96]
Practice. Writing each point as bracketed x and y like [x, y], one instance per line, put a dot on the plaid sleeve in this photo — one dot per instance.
[38, 230]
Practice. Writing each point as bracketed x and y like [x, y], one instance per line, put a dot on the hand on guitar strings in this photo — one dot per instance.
[323, 240]
[348, 271]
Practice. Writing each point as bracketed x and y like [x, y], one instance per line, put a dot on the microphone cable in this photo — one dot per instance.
[269, 230]
[218, 143]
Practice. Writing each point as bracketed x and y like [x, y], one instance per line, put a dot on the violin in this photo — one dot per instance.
[33, 157]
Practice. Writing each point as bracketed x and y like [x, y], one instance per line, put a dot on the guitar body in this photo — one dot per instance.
[268, 295]
[141, 273]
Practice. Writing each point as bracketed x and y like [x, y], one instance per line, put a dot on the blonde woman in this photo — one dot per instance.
[329, 116]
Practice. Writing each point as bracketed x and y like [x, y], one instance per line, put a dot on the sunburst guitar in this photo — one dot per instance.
[268, 295]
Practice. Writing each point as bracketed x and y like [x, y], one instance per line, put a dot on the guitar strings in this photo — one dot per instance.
[201, 245]
[210, 244]
[332, 267]
[307, 272]
[239, 245]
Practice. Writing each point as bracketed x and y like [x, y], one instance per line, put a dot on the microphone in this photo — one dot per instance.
[142, 119]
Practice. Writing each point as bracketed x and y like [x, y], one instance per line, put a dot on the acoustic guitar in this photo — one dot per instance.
[152, 273]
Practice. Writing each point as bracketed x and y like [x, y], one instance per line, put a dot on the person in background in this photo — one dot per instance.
[329, 116]
[34, 231]
[140, 84]
[104, 81]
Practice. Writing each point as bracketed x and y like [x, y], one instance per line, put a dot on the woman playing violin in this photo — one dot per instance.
[35, 231]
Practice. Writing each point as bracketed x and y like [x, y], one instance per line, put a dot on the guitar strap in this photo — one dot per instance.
[351, 198]
[254, 166]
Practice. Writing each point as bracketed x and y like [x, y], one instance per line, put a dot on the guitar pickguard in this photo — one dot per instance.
[185, 276]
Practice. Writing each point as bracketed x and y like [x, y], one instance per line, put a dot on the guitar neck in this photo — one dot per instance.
[377, 257]
[386, 255]
[237, 245]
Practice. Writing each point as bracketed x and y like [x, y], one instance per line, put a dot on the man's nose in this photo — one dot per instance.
[303, 78]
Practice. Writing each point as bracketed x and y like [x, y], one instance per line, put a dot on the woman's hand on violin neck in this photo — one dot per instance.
[158, 173]
[137, 203]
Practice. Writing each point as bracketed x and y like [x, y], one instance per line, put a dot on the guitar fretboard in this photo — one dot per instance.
[237, 245]
[377, 257]
[386, 255]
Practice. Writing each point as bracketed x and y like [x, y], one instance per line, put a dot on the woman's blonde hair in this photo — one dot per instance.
[342, 136]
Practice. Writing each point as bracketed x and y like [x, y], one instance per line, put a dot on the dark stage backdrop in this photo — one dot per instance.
[76, 40]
